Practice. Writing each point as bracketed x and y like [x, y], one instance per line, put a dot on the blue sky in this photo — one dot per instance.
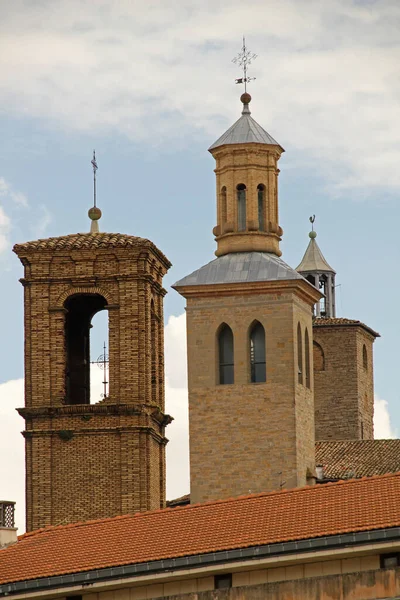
[150, 86]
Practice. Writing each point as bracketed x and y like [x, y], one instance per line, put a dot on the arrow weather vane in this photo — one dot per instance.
[244, 59]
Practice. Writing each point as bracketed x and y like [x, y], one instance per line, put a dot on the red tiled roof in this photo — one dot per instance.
[349, 506]
[358, 458]
[333, 322]
[87, 241]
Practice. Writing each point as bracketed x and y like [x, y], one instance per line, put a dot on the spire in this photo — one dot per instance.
[94, 213]
[246, 130]
[317, 271]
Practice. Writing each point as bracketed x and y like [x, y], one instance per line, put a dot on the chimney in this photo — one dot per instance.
[319, 469]
[8, 531]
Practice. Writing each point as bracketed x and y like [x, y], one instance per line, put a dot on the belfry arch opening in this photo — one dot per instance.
[81, 308]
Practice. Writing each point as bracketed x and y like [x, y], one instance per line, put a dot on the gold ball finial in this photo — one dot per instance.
[94, 213]
[245, 98]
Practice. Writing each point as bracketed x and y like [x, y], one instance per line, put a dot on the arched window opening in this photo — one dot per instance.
[81, 309]
[258, 372]
[319, 357]
[225, 355]
[323, 288]
[365, 357]
[223, 206]
[241, 203]
[299, 355]
[307, 357]
[154, 353]
[99, 372]
[261, 206]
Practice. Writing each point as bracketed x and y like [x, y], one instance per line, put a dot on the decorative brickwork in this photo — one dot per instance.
[87, 461]
[343, 379]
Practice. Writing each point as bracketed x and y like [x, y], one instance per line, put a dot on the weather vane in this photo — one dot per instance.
[312, 219]
[94, 212]
[244, 59]
[95, 167]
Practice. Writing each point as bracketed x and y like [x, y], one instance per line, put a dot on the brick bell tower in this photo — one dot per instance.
[343, 359]
[249, 334]
[88, 461]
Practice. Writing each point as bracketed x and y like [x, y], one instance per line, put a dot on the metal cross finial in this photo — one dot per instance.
[244, 59]
[312, 219]
[102, 363]
[94, 165]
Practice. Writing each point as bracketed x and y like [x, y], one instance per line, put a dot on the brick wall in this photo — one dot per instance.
[248, 437]
[87, 461]
[344, 387]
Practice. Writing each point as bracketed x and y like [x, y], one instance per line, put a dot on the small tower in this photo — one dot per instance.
[89, 460]
[247, 187]
[317, 271]
[342, 358]
[249, 335]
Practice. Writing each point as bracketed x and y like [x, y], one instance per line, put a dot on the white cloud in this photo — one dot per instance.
[176, 400]
[12, 448]
[5, 226]
[326, 86]
[382, 425]
[7, 190]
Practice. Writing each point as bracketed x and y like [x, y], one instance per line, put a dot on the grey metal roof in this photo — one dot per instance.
[240, 267]
[245, 131]
[314, 260]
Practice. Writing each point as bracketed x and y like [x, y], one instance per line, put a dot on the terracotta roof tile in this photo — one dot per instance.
[357, 505]
[358, 458]
[333, 322]
[86, 241]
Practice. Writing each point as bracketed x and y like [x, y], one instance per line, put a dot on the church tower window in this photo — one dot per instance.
[261, 206]
[365, 358]
[299, 355]
[223, 206]
[258, 372]
[225, 352]
[307, 357]
[81, 308]
[241, 206]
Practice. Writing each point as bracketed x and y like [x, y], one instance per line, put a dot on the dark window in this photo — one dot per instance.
[81, 308]
[319, 357]
[222, 581]
[258, 372]
[299, 355]
[307, 357]
[241, 203]
[225, 352]
[390, 561]
[261, 206]
[365, 358]
[223, 206]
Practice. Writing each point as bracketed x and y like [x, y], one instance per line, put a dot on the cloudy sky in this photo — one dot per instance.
[151, 86]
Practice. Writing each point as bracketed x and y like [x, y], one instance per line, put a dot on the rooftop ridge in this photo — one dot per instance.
[199, 505]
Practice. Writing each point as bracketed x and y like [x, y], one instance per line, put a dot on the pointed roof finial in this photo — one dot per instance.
[94, 213]
[313, 259]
